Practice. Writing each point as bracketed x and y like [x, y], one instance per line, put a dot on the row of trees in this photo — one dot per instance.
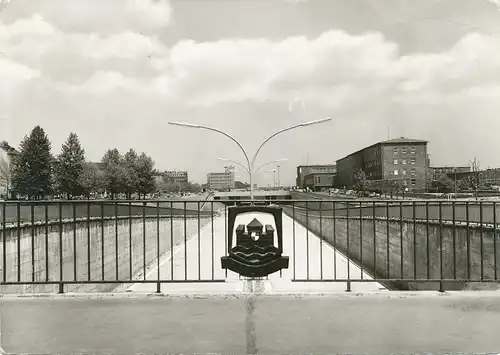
[35, 173]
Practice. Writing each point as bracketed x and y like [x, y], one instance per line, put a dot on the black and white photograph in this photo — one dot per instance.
[249, 177]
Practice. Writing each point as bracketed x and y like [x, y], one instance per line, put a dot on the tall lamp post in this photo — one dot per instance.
[250, 163]
[279, 180]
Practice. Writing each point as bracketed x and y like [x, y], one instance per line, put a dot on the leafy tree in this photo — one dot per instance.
[444, 184]
[169, 187]
[463, 185]
[69, 166]
[91, 180]
[475, 178]
[130, 166]
[113, 172]
[361, 184]
[32, 173]
[145, 175]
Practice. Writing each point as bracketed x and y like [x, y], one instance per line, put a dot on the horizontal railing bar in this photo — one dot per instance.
[257, 201]
[396, 280]
[86, 282]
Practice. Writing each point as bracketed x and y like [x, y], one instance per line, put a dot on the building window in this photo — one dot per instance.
[404, 172]
[396, 151]
[396, 172]
[413, 181]
[403, 150]
[414, 171]
[404, 161]
[413, 161]
[413, 150]
[396, 162]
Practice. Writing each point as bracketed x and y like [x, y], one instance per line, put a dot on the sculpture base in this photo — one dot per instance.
[255, 270]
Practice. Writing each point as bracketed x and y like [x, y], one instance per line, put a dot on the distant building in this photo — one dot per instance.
[305, 170]
[490, 177]
[159, 177]
[7, 157]
[220, 181]
[453, 172]
[173, 177]
[319, 181]
[402, 159]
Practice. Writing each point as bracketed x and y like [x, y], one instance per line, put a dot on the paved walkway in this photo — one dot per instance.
[342, 323]
[309, 259]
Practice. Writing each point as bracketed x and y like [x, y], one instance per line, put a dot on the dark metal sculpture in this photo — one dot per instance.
[255, 254]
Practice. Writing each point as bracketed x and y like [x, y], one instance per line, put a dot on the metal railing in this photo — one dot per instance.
[71, 246]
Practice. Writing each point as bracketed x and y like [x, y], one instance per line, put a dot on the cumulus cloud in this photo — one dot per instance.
[332, 70]
[35, 42]
[110, 16]
[360, 78]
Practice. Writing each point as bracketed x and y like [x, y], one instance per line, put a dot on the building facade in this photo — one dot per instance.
[7, 156]
[305, 170]
[220, 181]
[453, 172]
[319, 181]
[403, 161]
[175, 177]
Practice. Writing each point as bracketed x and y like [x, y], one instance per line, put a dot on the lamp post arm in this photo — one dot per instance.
[263, 165]
[238, 163]
[271, 137]
[232, 138]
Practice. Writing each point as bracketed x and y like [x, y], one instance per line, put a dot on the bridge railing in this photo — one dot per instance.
[70, 246]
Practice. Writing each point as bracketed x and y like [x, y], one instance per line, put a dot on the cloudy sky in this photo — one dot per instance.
[116, 71]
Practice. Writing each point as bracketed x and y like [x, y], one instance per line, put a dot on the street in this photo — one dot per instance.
[342, 323]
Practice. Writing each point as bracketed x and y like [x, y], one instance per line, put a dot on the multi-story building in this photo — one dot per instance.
[175, 177]
[7, 156]
[305, 170]
[220, 181]
[319, 181]
[487, 177]
[453, 172]
[402, 159]
[159, 177]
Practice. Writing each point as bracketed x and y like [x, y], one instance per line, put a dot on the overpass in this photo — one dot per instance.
[232, 196]
[172, 248]
[127, 259]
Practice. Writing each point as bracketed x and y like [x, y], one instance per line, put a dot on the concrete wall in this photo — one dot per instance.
[391, 249]
[473, 212]
[44, 253]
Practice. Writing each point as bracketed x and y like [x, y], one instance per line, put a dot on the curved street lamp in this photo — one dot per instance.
[250, 163]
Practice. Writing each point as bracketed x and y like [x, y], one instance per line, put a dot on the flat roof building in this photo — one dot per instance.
[403, 160]
[220, 181]
[304, 170]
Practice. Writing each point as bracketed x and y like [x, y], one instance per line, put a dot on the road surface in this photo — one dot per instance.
[310, 258]
[341, 323]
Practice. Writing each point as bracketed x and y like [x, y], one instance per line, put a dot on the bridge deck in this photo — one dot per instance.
[309, 257]
[385, 323]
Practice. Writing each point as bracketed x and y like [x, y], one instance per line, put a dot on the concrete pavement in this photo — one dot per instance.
[383, 323]
[310, 258]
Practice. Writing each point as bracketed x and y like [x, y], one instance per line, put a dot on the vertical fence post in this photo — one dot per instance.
[348, 288]
[158, 266]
